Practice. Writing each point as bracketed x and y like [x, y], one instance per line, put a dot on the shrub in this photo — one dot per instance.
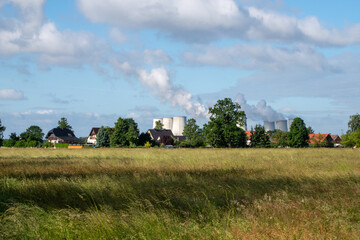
[61, 145]
[147, 144]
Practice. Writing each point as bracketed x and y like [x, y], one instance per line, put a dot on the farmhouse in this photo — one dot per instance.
[336, 138]
[62, 135]
[92, 135]
[156, 134]
[321, 139]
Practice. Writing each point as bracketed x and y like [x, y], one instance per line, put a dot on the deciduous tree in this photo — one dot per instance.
[223, 128]
[193, 133]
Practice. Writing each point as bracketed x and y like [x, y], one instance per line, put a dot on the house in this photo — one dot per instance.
[156, 134]
[336, 138]
[321, 140]
[62, 135]
[92, 135]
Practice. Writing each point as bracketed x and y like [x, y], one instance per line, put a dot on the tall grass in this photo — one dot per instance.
[180, 194]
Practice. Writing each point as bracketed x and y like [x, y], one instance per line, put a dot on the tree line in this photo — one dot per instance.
[224, 129]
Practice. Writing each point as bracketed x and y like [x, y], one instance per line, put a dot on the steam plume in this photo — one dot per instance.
[158, 81]
[260, 111]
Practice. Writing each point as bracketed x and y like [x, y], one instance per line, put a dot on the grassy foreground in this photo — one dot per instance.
[180, 194]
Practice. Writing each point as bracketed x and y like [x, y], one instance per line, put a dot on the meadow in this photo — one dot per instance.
[179, 194]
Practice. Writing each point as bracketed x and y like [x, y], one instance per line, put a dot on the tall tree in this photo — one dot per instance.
[222, 130]
[193, 133]
[2, 129]
[33, 133]
[159, 125]
[280, 138]
[298, 135]
[354, 123]
[259, 138]
[310, 130]
[125, 131]
[64, 124]
[102, 137]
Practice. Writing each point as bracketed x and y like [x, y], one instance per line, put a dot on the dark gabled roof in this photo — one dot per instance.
[156, 134]
[96, 130]
[62, 133]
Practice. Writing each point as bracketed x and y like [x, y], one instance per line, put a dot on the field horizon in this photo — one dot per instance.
[179, 193]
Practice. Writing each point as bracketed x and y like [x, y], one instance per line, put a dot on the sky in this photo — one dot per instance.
[95, 61]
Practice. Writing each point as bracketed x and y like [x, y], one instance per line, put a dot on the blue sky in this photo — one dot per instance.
[94, 61]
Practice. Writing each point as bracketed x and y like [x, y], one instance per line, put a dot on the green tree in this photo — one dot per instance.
[33, 133]
[310, 130]
[2, 129]
[351, 139]
[13, 138]
[132, 134]
[159, 125]
[102, 138]
[259, 138]
[354, 123]
[222, 130]
[298, 135]
[144, 138]
[193, 133]
[280, 138]
[64, 124]
[125, 132]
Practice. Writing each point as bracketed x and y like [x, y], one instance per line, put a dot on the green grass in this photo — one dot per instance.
[180, 194]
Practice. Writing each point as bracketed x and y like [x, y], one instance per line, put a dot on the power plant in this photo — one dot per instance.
[175, 124]
[283, 125]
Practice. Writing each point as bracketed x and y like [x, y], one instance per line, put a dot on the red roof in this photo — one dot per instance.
[318, 138]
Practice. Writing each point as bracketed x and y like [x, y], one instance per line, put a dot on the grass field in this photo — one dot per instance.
[180, 194]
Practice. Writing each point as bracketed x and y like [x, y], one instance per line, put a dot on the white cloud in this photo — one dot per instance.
[32, 34]
[248, 56]
[117, 36]
[11, 94]
[156, 56]
[201, 20]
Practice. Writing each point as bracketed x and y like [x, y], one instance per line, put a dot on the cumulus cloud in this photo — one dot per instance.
[158, 80]
[203, 20]
[32, 34]
[11, 94]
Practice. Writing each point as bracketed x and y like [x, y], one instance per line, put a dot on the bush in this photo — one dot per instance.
[147, 144]
[20, 144]
[32, 143]
[47, 145]
[61, 145]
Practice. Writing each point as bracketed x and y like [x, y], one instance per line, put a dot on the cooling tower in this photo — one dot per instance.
[168, 123]
[282, 125]
[289, 123]
[156, 120]
[178, 125]
[269, 126]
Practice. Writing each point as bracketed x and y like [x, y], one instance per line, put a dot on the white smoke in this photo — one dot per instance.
[158, 81]
[260, 111]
